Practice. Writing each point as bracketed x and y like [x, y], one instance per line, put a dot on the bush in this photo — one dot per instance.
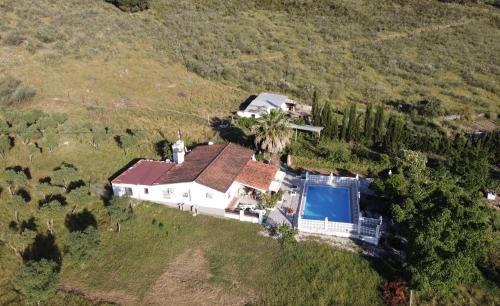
[82, 245]
[130, 5]
[13, 91]
[37, 280]
[14, 38]
[270, 199]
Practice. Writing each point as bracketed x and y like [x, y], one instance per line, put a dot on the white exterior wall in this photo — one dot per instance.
[196, 194]
[246, 114]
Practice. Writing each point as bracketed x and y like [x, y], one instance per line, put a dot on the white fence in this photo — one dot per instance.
[326, 227]
[366, 229]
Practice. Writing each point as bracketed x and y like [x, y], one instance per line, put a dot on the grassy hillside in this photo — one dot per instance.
[361, 51]
[181, 63]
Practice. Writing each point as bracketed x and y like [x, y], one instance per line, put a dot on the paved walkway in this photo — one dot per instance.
[291, 199]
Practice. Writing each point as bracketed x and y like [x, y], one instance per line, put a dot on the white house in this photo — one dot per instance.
[207, 180]
[264, 103]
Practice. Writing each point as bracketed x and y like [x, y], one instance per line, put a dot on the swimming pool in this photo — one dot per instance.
[327, 201]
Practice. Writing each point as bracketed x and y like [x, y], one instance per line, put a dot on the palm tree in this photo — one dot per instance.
[272, 133]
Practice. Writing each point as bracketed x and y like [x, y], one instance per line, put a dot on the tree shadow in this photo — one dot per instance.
[29, 224]
[80, 221]
[230, 133]
[75, 184]
[44, 246]
[23, 193]
[45, 180]
[65, 164]
[118, 140]
[19, 169]
[52, 197]
[160, 149]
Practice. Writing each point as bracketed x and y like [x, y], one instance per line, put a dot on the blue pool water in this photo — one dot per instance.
[327, 201]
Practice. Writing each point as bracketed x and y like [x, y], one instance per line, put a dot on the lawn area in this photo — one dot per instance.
[234, 259]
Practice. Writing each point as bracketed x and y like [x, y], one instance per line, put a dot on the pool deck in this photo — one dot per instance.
[279, 216]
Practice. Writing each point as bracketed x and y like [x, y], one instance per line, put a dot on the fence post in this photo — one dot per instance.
[241, 214]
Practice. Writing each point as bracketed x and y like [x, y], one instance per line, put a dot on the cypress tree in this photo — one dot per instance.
[326, 117]
[352, 121]
[343, 133]
[334, 126]
[368, 126]
[394, 135]
[356, 129]
[316, 110]
[378, 127]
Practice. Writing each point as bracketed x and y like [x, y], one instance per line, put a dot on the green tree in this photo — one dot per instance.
[368, 124]
[14, 180]
[128, 141]
[469, 161]
[343, 133]
[79, 196]
[287, 235]
[394, 136]
[4, 145]
[64, 175]
[272, 132]
[317, 110]
[18, 240]
[33, 150]
[378, 125]
[352, 121]
[119, 211]
[97, 136]
[37, 281]
[50, 140]
[82, 245]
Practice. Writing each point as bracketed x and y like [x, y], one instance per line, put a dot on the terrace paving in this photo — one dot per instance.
[279, 215]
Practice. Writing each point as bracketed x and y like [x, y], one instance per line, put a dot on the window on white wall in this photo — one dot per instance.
[210, 195]
[146, 191]
[128, 191]
[185, 195]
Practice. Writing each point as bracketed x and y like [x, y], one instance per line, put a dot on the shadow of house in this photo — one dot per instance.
[44, 246]
[247, 102]
[80, 221]
[124, 168]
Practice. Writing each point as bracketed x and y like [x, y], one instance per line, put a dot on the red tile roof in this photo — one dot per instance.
[144, 172]
[257, 175]
[215, 166]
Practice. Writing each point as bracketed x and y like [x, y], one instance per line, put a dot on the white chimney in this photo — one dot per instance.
[179, 150]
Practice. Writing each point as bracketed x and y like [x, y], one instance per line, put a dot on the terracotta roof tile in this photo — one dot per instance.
[143, 172]
[221, 173]
[215, 166]
[257, 175]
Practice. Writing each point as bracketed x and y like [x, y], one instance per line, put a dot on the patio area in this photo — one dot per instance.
[286, 211]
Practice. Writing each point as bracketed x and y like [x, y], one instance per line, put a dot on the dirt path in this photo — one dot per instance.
[185, 281]
[380, 37]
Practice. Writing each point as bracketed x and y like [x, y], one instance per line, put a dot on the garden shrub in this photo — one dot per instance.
[82, 245]
[130, 5]
[13, 91]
